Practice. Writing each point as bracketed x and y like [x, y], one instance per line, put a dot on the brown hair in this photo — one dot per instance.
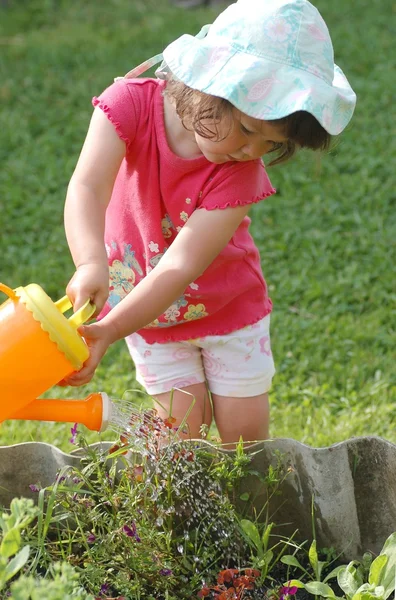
[194, 107]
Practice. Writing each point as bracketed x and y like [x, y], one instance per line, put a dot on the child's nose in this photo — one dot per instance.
[257, 149]
[253, 150]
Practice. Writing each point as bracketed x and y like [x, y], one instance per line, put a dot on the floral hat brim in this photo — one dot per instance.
[269, 58]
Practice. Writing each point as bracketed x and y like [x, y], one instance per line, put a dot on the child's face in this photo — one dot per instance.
[246, 139]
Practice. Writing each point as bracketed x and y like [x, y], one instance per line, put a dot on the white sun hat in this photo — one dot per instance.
[269, 58]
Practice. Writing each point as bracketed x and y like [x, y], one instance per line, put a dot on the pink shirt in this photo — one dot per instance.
[155, 193]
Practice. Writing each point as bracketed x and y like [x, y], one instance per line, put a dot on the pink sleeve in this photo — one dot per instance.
[121, 107]
[237, 184]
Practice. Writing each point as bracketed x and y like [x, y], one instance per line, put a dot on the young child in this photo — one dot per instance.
[160, 197]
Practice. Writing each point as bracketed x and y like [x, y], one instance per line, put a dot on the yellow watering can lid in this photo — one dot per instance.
[62, 331]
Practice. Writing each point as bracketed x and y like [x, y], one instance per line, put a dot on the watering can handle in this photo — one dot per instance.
[81, 315]
[8, 291]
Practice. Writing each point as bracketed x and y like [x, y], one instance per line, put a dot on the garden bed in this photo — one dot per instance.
[192, 520]
[353, 485]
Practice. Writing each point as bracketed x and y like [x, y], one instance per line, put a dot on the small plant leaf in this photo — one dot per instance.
[368, 591]
[349, 580]
[252, 533]
[363, 596]
[313, 558]
[333, 573]
[11, 543]
[377, 569]
[268, 556]
[367, 560]
[294, 583]
[266, 535]
[17, 563]
[319, 589]
[388, 574]
[291, 560]
[245, 496]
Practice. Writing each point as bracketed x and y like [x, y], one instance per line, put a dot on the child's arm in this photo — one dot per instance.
[202, 238]
[88, 195]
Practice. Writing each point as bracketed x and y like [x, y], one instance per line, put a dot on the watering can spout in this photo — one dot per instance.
[94, 411]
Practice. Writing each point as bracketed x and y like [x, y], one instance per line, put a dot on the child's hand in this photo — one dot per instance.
[89, 281]
[98, 339]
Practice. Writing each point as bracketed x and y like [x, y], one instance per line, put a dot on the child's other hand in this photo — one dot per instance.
[90, 281]
[98, 340]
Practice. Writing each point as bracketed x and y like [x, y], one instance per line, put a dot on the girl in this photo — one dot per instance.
[159, 203]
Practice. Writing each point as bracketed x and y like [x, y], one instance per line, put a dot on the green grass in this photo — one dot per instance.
[326, 238]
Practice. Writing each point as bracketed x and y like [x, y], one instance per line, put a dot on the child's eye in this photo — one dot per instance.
[245, 129]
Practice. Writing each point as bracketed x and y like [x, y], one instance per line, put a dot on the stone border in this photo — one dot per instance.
[353, 484]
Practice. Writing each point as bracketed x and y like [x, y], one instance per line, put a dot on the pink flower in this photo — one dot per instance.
[131, 532]
[286, 592]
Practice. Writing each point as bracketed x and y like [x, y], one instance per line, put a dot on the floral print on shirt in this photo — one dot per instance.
[167, 226]
[122, 273]
[126, 271]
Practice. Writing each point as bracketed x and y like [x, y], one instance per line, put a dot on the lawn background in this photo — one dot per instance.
[326, 239]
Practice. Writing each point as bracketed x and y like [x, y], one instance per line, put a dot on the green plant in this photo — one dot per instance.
[12, 557]
[378, 583]
[266, 549]
[366, 580]
[314, 583]
[153, 524]
[61, 583]
[231, 474]
[263, 556]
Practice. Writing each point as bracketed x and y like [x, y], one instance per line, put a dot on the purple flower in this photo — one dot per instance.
[60, 478]
[131, 532]
[91, 538]
[74, 433]
[287, 591]
[166, 572]
[34, 487]
[104, 588]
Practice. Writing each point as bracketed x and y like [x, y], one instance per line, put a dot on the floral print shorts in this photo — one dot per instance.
[238, 364]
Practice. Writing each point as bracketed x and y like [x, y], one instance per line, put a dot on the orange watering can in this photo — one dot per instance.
[39, 346]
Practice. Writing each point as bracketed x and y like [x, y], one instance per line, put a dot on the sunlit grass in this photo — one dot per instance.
[326, 239]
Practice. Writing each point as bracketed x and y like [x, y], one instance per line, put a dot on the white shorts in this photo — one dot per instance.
[238, 364]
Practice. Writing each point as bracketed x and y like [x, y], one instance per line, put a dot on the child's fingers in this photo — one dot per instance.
[89, 333]
[97, 348]
[79, 378]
